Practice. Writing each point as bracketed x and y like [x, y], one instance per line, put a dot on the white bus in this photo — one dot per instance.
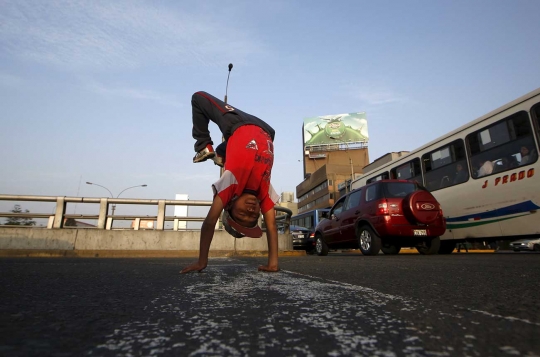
[483, 174]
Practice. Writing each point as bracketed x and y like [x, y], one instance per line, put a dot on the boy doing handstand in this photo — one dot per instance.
[243, 191]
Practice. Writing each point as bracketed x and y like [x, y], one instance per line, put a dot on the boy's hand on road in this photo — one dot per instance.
[267, 268]
[193, 267]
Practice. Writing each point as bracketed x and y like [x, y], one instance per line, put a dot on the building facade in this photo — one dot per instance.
[335, 151]
[287, 201]
[320, 188]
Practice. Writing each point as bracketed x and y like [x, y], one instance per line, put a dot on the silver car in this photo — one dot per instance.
[526, 244]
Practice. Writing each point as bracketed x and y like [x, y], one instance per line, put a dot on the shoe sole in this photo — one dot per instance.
[205, 157]
[215, 158]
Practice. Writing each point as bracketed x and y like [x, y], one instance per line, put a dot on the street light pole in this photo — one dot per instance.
[222, 169]
[112, 196]
[114, 205]
[95, 184]
[348, 189]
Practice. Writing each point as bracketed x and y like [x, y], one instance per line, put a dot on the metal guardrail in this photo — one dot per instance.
[105, 220]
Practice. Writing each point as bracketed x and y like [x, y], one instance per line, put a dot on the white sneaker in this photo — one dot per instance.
[204, 154]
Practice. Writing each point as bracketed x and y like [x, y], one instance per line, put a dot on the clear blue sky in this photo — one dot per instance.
[100, 90]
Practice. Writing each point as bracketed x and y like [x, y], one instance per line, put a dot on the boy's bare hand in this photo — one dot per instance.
[193, 267]
[268, 268]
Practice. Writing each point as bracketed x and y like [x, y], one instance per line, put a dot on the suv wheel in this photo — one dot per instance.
[369, 242]
[429, 246]
[391, 249]
[447, 247]
[320, 246]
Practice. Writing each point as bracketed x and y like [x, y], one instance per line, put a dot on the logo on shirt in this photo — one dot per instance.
[252, 145]
[229, 108]
[266, 160]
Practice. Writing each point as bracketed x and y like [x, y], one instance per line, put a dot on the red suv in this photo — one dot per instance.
[387, 215]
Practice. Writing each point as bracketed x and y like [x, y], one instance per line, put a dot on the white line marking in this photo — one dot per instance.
[510, 318]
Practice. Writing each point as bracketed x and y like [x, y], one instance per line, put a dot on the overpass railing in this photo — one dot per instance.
[105, 220]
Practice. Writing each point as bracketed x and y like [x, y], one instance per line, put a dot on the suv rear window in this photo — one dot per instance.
[398, 189]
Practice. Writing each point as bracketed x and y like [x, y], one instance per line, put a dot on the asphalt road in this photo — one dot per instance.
[339, 305]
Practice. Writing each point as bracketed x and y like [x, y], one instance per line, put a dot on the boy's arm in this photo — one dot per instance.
[272, 237]
[207, 233]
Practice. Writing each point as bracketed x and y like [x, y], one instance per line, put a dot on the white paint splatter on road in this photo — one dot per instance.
[233, 310]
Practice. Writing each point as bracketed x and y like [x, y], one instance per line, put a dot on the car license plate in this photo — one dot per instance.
[300, 236]
[420, 232]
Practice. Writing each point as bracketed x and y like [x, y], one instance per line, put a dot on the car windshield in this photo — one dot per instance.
[398, 189]
[298, 228]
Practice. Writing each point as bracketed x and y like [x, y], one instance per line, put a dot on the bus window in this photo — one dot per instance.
[308, 221]
[502, 146]
[298, 222]
[446, 166]
[383, 176]
[409, 171]
[440, 157]
[535, 111]
[319, 215]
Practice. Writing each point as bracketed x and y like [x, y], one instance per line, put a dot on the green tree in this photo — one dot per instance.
[20, 221]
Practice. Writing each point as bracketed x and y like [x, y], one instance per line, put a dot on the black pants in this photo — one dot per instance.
[208, 108]
[204, 111]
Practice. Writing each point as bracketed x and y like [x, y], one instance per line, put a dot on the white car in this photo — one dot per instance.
[526, 244]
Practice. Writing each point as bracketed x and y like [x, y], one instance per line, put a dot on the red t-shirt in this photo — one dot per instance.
[250, 156]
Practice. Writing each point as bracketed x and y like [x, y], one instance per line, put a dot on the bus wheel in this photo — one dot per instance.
[447, 247]
[429, 246]
[369, 242]
[391, 249]
[320, 246]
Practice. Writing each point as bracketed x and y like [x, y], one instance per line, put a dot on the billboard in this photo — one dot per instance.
[350, 128]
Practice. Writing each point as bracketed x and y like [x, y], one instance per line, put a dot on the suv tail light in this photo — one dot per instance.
[382, 208]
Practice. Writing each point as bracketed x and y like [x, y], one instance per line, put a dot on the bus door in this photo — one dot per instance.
[350, 214]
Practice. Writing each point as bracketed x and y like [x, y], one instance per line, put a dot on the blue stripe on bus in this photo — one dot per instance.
[503, 211]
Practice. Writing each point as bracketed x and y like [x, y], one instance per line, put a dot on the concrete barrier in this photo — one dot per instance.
[37, 238]
[169, 243]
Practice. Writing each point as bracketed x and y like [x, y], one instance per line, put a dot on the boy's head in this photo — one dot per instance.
[241, 218]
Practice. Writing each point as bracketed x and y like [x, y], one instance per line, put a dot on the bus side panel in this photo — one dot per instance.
[497, 206]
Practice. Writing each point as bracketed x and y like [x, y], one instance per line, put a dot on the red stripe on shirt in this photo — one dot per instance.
[211, 101]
